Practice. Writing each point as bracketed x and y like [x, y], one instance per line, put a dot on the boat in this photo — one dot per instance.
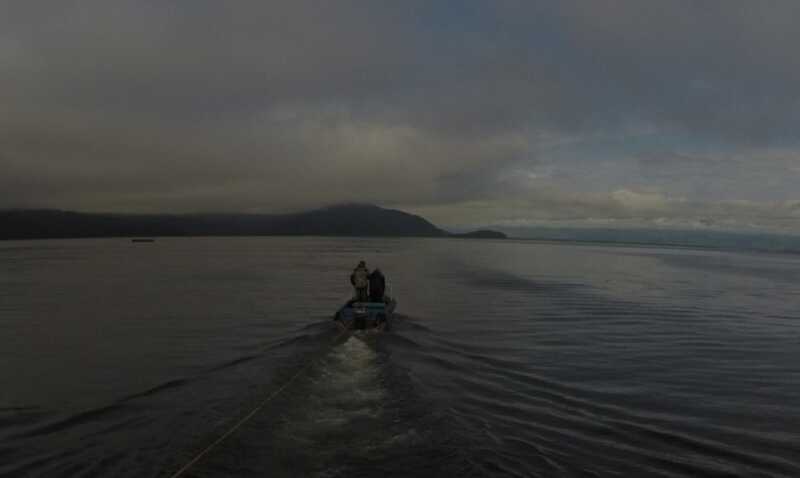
[357, 315]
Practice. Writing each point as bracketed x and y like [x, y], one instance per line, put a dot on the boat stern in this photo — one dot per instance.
[365, 315]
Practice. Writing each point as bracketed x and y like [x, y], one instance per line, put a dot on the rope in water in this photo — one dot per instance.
[250, 415]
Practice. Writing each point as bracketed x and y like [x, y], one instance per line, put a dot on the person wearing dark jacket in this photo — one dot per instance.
[377, 286]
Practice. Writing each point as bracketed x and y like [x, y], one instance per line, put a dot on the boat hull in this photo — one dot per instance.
[365, 315]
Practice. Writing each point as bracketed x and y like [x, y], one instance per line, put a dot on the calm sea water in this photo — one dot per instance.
[507, 359]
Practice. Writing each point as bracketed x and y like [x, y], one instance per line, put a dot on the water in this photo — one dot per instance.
[507, 359]
[696, 238]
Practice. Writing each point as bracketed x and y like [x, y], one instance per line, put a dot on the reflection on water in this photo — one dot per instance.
[508, 358]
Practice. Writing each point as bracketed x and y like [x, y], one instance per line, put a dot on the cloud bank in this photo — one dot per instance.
[648, 113]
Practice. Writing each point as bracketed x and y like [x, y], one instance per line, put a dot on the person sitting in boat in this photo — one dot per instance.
[377, 286]
[360, 280]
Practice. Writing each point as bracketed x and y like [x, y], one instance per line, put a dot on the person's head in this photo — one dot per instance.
[362, 264]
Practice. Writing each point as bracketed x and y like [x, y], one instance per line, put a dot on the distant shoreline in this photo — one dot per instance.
[359, 220]
[510, 239]
[342, 220]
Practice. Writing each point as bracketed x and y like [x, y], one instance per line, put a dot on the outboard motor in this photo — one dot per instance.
[360, 316]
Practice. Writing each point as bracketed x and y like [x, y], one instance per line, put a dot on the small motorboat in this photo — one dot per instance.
[366, 315]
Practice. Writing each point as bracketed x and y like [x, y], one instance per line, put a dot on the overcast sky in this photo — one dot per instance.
[670, 113]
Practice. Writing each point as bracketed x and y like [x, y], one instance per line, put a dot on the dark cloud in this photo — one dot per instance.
[185, 106]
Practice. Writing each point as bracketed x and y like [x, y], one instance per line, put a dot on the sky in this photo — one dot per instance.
[626, 113]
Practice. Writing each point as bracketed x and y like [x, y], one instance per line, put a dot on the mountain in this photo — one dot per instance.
[341, 220]
[357, 220]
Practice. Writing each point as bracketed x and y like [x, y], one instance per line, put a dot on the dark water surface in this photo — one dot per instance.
[508, 359]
